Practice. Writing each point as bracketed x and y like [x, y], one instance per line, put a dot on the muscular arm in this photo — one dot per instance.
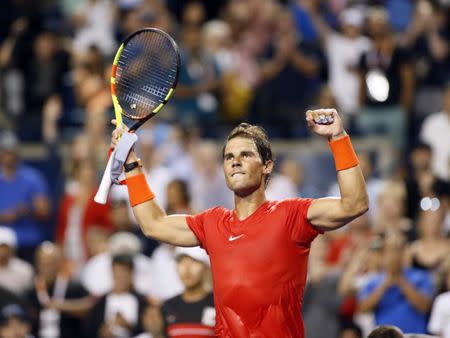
[154, 222]
[331, 213]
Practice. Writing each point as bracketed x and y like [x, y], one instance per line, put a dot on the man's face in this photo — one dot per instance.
[15, 328]
[191, 272]
[122, 277]
[243, 167]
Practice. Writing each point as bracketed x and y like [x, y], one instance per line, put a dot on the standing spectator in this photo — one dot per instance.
[427, 37]
[435, 132]
[344, 50]
[78, 213]
[398, 296]
[14, 322]
[432, 247]
[386, 83]
[24, 204]
[16, 275]
[439, 323]
[193, 310]
[53, 287]
[117, 314]
[419, 177]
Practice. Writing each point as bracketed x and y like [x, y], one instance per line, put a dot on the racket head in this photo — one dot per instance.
[144, 75]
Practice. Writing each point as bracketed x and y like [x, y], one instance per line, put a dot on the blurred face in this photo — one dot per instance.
[5, 253]
[351, 31]
[15, 328]
[120, 216]
[194, 14]
[349, 333]
[8, 158]
[122, 278]
[378, 25]
[175, 195]
[48, 262]
[431, 223]
[191, 272]
[421, 159]
[243, 167]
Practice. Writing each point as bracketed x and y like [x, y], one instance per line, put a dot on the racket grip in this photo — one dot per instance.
[103, 190]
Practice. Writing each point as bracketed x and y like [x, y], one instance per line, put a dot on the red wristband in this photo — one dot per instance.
[343, 153]
[138, 190]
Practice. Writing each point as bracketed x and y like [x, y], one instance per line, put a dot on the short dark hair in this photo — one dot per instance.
[386, 331]
[258, 135]
[125, 260]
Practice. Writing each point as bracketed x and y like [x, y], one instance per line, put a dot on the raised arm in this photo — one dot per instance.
[151, 218]
[331, 213]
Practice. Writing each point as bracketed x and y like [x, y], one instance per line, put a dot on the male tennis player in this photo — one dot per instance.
[259, 250]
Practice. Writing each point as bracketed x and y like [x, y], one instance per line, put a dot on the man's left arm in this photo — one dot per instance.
[331, 213]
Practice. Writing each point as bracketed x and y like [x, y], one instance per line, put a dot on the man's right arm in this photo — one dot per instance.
[154, 222]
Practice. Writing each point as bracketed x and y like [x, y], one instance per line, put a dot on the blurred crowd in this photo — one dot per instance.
[72, 268]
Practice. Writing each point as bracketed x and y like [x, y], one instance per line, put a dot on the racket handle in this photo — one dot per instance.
[103, 190]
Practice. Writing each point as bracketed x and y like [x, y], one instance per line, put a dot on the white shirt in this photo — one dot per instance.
[280, 187]
[343, 53]
[17, 276]
[439, 322]
[436, 132]
[96, 275]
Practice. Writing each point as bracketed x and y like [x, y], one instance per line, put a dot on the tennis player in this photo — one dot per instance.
[259, 250]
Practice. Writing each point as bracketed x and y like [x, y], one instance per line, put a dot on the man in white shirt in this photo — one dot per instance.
[436, 132]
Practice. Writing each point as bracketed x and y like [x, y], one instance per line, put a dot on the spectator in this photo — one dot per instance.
[24, 204]
[351, 331]
[117, 313]
[52, 290]
[344, 50]
[439, 323]
[386, 331]
[97, 276]
[428, 37]
[419, 177]
[192, 310]
[321, 301]
[398, 296]
[78, 213]
[14, 322]
[435, 132]
[16, 275]
[152, 322]
[431, 248]
[179, 199]
[386, 83]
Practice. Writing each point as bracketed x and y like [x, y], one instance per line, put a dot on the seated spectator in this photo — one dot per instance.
[24, 203]
[53, 288]
[435, 132]
[14, 322]
[398, 296]
[16, 275]
[439, 323]
[192, 310]
[118, 313]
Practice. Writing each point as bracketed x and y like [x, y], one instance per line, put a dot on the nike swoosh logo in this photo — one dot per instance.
[233, 238]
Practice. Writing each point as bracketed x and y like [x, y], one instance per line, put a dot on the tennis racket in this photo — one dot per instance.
[143, 77]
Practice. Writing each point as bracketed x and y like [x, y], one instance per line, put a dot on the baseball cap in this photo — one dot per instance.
[8, 237]
[8, 140]
[12, 310]
[124, 243]
[195, 253]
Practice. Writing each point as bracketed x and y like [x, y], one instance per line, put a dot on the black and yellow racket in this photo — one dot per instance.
[143, 77]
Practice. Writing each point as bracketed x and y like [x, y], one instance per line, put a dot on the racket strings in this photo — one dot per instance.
[146, 71]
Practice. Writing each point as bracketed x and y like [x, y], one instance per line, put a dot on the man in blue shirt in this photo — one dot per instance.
[24, 204]
[397, 296]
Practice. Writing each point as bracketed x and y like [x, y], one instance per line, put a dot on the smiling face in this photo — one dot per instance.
[243, 167]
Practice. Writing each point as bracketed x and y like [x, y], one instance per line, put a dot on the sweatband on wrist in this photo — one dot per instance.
[343, 153]
[138, 189]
